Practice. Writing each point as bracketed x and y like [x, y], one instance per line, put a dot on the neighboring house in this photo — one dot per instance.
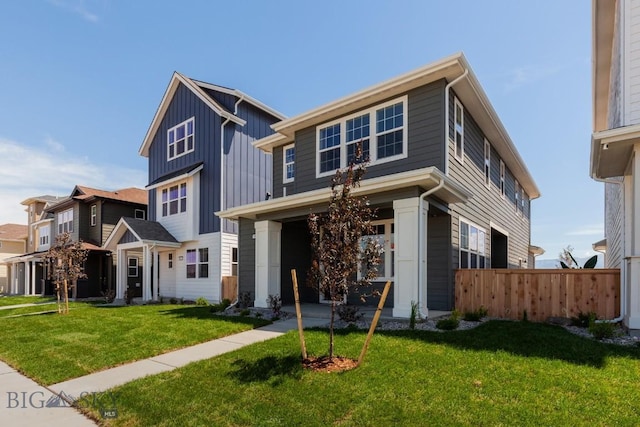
[200, 161]
[450, 188]
[89, 215]
[13, 241]
[615, 143]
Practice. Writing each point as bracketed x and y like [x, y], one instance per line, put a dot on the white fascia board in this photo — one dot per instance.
[175, 179]
[119, 230]
[161, 244]
[427, 177]
[267, 144]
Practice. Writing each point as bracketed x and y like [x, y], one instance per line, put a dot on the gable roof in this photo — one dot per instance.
[82, 193]
[468, 90]
[198, 88]
[149, 232]
[13, 232]
[46, 198]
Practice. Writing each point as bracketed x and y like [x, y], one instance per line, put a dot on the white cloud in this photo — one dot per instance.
[528, 74]
[35, 171]
[76, 6]
[588, 230]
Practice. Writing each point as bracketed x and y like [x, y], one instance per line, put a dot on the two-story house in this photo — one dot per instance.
[87, 214]
[615, 143]
[449, 185]
[13, 241]
[200, 161]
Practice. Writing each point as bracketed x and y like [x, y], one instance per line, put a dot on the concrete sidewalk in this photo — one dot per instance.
[31, 304]
[109, 378]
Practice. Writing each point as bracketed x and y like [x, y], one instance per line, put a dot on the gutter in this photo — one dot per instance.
[422, 251]
[446, 118]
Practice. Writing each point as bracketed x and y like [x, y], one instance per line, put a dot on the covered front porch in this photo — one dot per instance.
[27, 275]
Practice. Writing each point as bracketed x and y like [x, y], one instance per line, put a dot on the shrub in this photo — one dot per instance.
[173, 301]
[415, 314]
[450, 323]
[128, 297]
[348, 313]
[245, 300]
[275, 303]
[602, 330]
[584, 320]
[109, 296]
[475, 316]
[245, 312]
[221, 306]
[202, 301]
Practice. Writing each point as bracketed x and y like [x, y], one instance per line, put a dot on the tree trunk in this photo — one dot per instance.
[66, 297]
[333, 311]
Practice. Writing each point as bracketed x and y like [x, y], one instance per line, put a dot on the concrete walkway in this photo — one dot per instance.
[31, 304]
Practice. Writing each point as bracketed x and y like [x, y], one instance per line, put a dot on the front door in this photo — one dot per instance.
[134, 277]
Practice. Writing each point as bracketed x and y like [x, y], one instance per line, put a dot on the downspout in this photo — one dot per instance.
[422, 298]
[222, 125]
[446, 118]
[623, 280]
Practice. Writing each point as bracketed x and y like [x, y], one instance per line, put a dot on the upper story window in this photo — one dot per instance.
[65, 221]
[337, 141]
[94, 214]
[502, 173]
[487, 163]
[289, 164]
[139, 214]
[44, 236]
[174, 199]
[180, 139]
[197, 263]
[472, 246]
[522, 201]
[517, 198]
[458, 129]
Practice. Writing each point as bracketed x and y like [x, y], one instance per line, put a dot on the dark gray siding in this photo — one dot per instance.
[183, 106]
[94, 232]
[246, 257]
[425, 146]
[439, 270]
[84, 223]
[111, 214]
[247, 170]
[127, 237]
[486, 206]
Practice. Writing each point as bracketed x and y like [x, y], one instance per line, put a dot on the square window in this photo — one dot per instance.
[181, 139]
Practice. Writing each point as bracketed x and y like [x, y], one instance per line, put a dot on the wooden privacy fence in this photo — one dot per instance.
[542, 293]
[230, 287]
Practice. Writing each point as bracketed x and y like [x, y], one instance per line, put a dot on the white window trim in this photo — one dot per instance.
[63, 220]
[487, 163]
[129, 266]
[231, 261]
[94, 214]
[373, 136]
[143, 216]
[43, 238]
[285, 179]
[503, 183]
[170, 260]
[168, 188]
[469, 250]
[198, 263]
[186, 148]
[456, 103]
[516, 197]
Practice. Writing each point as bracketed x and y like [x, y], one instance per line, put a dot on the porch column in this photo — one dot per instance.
[156, 269]
[32, 284]
[267, 261]
[406, 218]
[146, 273]
[27, 277]
[632, 194]
[121, 273]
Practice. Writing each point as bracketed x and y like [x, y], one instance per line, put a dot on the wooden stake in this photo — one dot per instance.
[294, 278]
[374, 323]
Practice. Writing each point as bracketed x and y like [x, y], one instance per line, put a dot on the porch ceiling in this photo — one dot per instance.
[426, 178]
[611, 151]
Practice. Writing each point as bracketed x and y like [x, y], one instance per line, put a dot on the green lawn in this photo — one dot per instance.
[52, 348]
[499, 374]
[15, 300]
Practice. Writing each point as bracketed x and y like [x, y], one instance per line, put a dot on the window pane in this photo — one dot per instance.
[191, 271]
[173, 193]
[204, 254]
[464, 235]
[164, 195]
[183, 205]
[173, 207]
[190, 127]
[191, 256]
[171, 137]
[390, 144]
[164, 209]
[473, 239]
[183, 190]
[203, 270]
[330, 137]
[180, 133]
[351, 151]
[474, 260]
[234, 254]
[330, 160]
[180, 147]
[190, 143]
[464, 259]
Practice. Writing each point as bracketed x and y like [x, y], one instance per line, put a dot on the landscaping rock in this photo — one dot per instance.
[561, 321]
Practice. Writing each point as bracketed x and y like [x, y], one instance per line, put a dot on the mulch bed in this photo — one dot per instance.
[324, 364]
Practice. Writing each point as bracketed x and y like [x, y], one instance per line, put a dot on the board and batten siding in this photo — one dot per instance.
[487, 205]
[184, 105]
[631, 16]
[246, 257]
[425, 122]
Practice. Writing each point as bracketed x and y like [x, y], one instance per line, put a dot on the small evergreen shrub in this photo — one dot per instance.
[475, 316]
[584, 320]
[275, 303]
[173, 301]
[109, 295]
[221, 306]
[348, 313]
[602, 330]
[202, 301]
[245, 312]
[450, 323]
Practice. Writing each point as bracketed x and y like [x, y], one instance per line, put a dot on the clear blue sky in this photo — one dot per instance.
[80, 81]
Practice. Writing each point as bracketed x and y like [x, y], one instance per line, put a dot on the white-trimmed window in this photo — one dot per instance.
[487, 163]
[170, 260]
[502, 173]
[472, 246]
[458, 129]
[383, 234]
[289, 163]
[517, 198]
[522, 202]
[44, 236]
[132, 267]
[65, 221]
[94, 214]
[197, 263]
[140, 214]
[180, 139]
[387, 141]
[174, 199]
[234, 261]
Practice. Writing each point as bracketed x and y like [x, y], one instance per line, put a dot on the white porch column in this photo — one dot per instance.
[156, 269]
[632, 263]
[32, 284]
[121, 273]
[406, 218]
[267, 261]
[146, 273]
[27, 277]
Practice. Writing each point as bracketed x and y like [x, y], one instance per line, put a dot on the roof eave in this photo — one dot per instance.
[603, 24]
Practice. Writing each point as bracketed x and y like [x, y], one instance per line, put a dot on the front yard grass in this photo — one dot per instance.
[501, 373]
[6, 300]
[52, 348]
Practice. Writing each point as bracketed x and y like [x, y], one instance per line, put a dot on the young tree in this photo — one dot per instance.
[339, 243]
[66, 265]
